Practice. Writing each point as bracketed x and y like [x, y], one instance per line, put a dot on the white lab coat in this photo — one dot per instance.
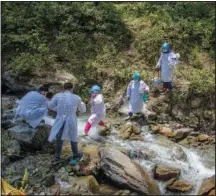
[135, 92]
[32, 108]
[98, 110]
[66, 104]
[167, 62]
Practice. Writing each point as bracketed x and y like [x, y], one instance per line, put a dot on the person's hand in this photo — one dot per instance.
[157, 69]
[178, 55]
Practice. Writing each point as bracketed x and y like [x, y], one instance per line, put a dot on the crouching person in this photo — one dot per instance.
[33, 107]
[66, 105]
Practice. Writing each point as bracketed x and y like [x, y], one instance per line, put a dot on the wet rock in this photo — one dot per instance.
[106, 189]
[166, 132]
[118, 168]
[137, 137]
[92, 165]
[192, 140]
[182, 133]
[128, 129]
[62, 76]
[165, 173]
[140, 119]
[122, 192]
[106, 130]
[179, 186]
[152, 116]
[13, 86]
[155, 128]
[207, 185]
[179, 154]
[55, 189]
[148, 154]
[193, 133]
[203, 137]
[63, 174]
[84, 185]
[5, 160]
[212, 192]
[7, 102]
[48, 180]
[30, 138]
[13, 148]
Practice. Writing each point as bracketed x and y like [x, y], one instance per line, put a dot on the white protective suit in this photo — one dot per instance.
[66, 104]
[167, 62]
[135, 92]
[32, 108]
[98, 110]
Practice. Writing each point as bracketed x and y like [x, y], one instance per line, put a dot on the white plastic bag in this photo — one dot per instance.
[156, 82]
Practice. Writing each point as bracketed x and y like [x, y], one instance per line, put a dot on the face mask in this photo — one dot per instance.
[165, 50]
[93, 95]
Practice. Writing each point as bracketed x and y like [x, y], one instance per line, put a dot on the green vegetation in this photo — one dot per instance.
[112, 37]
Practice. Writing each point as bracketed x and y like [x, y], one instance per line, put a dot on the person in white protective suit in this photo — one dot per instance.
[66, 105]
[135, 91]
[33, 107]
[166, 65]
[98, 109]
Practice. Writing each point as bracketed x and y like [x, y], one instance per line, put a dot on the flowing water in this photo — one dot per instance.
[193, 168]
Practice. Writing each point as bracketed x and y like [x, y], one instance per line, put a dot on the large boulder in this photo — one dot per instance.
[83, 185]
[165, 173]
[140, 119]
[166, 132]
[11, 85]
[13, 148]
[182, 133]
[125, 173]
[178, 153]
[30, 138]
[207, 186]
[176, 185]
[8, 102]
[128, 130]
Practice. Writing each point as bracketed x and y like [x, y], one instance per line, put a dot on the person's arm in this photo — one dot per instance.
[129, 90]
[159, 63]
[82, 106]
[143, 87]
[52, 104]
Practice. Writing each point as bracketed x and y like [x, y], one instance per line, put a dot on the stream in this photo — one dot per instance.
[193, 169]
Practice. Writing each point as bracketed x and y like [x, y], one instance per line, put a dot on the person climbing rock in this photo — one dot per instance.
[135, 91]
[33, 107]
[98, 109]
[66, 105]
[166, 65]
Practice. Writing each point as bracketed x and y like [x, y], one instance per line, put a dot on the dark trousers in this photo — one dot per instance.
[167, 85]
[59, 144]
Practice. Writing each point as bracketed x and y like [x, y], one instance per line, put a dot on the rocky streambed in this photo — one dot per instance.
[129, 157]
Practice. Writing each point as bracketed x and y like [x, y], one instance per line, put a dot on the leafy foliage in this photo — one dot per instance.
[121, 37]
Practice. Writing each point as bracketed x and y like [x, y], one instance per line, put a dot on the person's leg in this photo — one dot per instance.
[76, 153]
[170, 86]
[164, 86]
[59, 143]
[87, 128]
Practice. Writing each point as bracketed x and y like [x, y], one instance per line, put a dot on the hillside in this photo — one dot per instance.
[106, 42]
